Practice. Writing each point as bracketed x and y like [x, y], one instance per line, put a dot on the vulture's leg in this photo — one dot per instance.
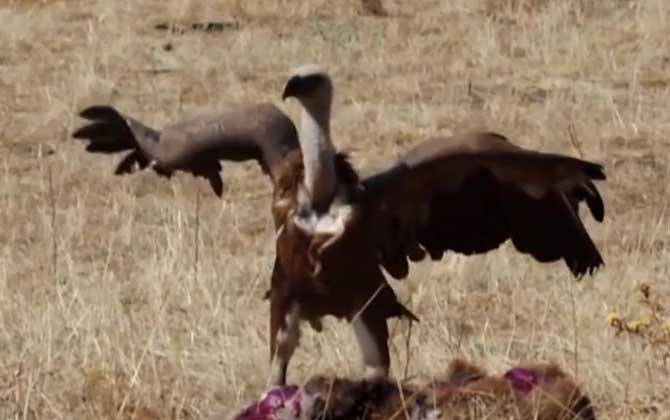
[284, 335]
[372, 335]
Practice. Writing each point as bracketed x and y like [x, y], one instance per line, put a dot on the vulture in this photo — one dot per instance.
[336, 233]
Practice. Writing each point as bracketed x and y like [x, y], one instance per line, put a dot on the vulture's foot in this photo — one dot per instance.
[287, 338]
[279, 374]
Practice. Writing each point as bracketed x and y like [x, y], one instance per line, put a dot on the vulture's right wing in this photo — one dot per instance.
[472, 192]
[260, 132]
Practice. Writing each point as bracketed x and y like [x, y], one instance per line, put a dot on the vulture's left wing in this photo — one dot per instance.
[253, 131]
[471, 192]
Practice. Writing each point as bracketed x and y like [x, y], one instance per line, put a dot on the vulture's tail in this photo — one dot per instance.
[401, 311]
[112, 132]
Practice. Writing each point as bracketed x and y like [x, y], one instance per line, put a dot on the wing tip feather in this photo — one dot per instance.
[581, 268]
[80, 133]
[595, 171]
[98, 112]
[90, 131]
[594, 201]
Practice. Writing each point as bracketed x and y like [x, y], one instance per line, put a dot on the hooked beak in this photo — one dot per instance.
[291, 88]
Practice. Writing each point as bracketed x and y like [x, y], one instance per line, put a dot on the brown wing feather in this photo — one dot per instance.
[260, 132]
[472, 192]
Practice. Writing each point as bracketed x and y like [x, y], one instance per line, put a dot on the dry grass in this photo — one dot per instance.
[102, 314]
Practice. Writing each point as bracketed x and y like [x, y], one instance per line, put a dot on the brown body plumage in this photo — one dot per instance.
[335, 233]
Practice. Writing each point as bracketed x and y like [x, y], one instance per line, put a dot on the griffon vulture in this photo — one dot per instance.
[335, 232]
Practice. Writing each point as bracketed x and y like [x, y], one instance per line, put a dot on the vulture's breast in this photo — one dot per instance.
[348, 262]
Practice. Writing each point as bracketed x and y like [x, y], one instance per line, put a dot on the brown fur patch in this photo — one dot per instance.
[466, 392]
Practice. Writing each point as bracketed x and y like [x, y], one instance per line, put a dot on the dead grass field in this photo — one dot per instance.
[104, 312]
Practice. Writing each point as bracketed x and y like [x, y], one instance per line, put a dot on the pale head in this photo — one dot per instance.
[311, 85]
[313, 88]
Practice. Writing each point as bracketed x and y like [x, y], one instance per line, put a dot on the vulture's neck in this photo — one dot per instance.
[318, 155]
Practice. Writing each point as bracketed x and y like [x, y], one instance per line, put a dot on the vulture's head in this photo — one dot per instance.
[310, 84]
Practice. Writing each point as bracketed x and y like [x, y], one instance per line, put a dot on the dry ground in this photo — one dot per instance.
[104, 312]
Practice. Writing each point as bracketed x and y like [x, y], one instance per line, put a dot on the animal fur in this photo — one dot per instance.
[466, 392]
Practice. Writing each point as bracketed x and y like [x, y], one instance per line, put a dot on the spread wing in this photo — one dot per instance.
[260, 132]
[472, 192]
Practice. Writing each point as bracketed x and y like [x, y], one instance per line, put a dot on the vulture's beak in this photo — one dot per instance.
[292, 88]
